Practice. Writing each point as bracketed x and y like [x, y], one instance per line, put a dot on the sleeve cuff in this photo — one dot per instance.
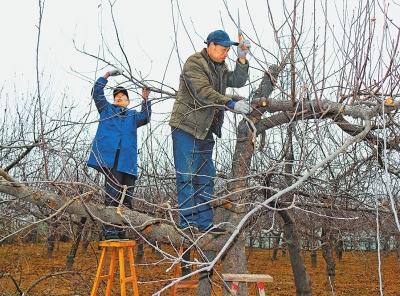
[231, 104]
[101, 79]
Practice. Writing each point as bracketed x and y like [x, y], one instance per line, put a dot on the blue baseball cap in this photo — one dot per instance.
[220, 37]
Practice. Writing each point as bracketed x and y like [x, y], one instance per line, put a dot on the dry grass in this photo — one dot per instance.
[356, 275]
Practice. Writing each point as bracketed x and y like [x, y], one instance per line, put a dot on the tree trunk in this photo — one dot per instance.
[397, 246]
[277, 241]
[327, 253]
[235, 261]
[261, 240]
[386, 245]
[51, 239]
[86, 237]
[284, 248]
[339, 249]
[301, 278]
[75, 244]
[251, 238]
[205, 282]
[139, 250]
[313, 258]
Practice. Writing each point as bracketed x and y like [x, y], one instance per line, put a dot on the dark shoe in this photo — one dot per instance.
[111, 236]
[122, 234]
[185, 268]
[111, 232]
[213, 230]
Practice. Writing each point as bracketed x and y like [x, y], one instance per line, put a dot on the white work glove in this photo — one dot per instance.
[115, 72]
[242, 107]
[243, 48]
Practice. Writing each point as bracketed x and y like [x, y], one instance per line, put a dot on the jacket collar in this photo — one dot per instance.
[120, 110]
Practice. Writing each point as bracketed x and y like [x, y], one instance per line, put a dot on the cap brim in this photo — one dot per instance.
[227, 43]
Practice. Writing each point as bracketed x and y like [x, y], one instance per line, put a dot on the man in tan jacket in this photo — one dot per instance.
[197, 114]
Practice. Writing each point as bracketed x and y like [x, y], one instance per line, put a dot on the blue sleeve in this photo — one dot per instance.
[98, 94]
[143, 117]
[231, 104]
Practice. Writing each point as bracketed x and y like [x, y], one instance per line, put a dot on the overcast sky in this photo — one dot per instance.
[147, 33]
[146, 30]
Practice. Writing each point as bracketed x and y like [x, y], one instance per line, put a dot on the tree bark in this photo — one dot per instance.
[139, 250]
[339, 249]
[327, 253]
[251, 238]
[205, 278]
[51, 239]
[301, 278]
[397, 246]
[86, 237]
[152, 228]
[277, 241]
[236, 254]
[313, 258]
[75, 245]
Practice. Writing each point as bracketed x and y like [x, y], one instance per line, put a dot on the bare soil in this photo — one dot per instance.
[26, 267]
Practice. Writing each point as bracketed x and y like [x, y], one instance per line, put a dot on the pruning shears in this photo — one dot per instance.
[240, 33]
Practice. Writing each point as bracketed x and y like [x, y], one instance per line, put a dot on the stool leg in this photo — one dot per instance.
[122, 271]
[133, 272]
[234, 288]
[261, 288]
[173, 290]
[111, 271]
[98, 273]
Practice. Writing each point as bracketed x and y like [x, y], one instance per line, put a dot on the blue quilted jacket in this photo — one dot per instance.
[117, 129]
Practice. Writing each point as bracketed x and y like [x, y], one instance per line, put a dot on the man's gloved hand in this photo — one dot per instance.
[239, 106]
[243, 107]
[115, 72]
[243, 48]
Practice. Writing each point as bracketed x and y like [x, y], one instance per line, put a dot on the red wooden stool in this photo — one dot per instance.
[235, 278]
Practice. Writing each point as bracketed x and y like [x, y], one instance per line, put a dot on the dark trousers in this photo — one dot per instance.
[114, 187]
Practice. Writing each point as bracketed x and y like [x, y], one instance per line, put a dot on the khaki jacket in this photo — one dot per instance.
[202, 87]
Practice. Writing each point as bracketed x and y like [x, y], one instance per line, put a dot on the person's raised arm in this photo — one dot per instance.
[239, 76]
[143, 117]
[98, 89]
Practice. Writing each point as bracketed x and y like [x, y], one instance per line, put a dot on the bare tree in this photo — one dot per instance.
[305, 161]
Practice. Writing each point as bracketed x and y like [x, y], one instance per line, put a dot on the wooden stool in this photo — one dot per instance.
[185, 284]
[116, 247]
[260, 279]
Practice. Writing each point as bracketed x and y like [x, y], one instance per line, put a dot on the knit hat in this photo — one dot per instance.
[119, 89]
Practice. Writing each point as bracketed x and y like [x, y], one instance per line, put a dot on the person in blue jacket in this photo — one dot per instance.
[114, 148]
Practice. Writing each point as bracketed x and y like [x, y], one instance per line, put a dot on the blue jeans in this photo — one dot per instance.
[195, 173]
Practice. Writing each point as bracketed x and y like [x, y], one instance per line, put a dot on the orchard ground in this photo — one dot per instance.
[24, 265]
